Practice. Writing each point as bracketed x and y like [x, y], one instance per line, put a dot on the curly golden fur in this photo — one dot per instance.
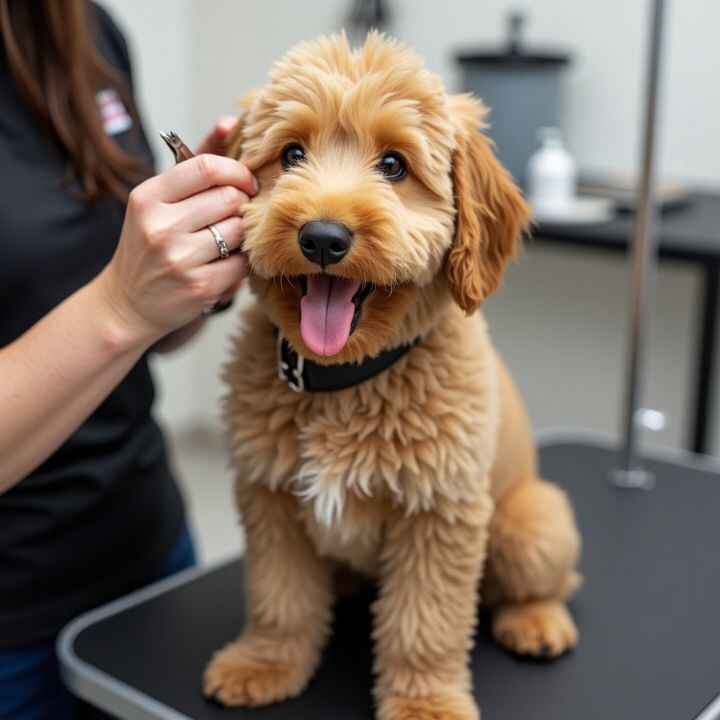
[423, 477]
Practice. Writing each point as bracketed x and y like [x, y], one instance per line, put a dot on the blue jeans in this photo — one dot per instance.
[30, 684]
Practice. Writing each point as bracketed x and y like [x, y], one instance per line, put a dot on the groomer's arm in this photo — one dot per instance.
[159, 280]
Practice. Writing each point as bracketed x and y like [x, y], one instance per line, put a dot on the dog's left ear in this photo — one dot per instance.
[491, 213]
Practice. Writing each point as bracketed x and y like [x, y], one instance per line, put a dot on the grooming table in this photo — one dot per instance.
[649, 618]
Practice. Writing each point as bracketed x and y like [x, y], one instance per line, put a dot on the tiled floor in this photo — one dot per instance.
[200, 462]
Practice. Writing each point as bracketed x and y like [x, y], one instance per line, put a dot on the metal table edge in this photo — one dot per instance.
[101, 689]
[711, 711]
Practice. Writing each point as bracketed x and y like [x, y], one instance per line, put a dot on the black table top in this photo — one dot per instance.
[649, 619]
[690, 232]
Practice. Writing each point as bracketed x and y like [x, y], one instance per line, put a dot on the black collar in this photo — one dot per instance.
[304, 375]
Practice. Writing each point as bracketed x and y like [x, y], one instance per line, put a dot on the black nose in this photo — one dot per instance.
[324, 242]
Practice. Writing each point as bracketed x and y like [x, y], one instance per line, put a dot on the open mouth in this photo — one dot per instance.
[330, 310]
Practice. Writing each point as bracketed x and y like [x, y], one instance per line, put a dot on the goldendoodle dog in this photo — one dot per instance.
[372, 424]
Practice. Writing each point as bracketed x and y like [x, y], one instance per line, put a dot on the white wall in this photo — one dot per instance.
[561, 319]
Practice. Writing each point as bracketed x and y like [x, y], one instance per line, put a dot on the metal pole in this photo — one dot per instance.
[644, 264]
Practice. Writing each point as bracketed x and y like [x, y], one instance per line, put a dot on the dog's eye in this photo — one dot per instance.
[392, 166]
[292, 155]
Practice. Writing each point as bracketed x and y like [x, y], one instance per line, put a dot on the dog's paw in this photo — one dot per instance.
[542, 629]
[235, 677]
[458, 706]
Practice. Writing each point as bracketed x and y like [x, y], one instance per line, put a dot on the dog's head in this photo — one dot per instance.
[380, 198]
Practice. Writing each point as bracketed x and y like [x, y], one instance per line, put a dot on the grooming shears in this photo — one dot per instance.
[177, 147]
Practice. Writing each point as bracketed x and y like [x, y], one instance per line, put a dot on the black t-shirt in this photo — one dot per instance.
[98, 517]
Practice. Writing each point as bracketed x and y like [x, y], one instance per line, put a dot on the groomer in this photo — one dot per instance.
[92, 280]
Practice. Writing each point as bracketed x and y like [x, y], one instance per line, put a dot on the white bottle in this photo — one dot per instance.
[552, 176]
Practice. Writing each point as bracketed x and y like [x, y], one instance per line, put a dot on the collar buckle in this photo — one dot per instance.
[290, 371]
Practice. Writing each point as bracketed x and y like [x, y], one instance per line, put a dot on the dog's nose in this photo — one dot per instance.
[324, 242]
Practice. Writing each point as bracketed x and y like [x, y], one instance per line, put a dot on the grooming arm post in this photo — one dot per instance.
[631, 474]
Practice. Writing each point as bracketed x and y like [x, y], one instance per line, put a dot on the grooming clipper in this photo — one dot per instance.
[177, 147]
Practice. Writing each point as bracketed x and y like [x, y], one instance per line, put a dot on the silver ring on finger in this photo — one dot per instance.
[222, 248]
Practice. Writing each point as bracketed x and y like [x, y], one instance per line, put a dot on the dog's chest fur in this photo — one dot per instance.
[417, 437]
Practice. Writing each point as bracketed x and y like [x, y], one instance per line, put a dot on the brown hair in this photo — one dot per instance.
[58, 70]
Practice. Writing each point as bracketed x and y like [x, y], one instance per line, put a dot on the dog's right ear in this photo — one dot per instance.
[234, 141]
[491, 213]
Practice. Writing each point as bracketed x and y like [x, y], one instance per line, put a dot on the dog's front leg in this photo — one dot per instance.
[288, 613]
[426, 613]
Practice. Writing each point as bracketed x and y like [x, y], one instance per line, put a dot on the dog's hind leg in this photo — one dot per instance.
[533, 550]
[288, 606]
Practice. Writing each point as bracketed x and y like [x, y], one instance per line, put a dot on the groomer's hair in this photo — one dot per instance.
[51, 53]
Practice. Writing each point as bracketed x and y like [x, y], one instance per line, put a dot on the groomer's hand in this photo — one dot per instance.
[215, 142]
[166, 269]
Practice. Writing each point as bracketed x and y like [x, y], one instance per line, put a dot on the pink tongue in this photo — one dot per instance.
[326, 313]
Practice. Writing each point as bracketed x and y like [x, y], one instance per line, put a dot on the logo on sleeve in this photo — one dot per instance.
[113, 113]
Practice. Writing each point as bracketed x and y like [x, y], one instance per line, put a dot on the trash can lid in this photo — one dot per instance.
[514, 54]
[510, 60]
